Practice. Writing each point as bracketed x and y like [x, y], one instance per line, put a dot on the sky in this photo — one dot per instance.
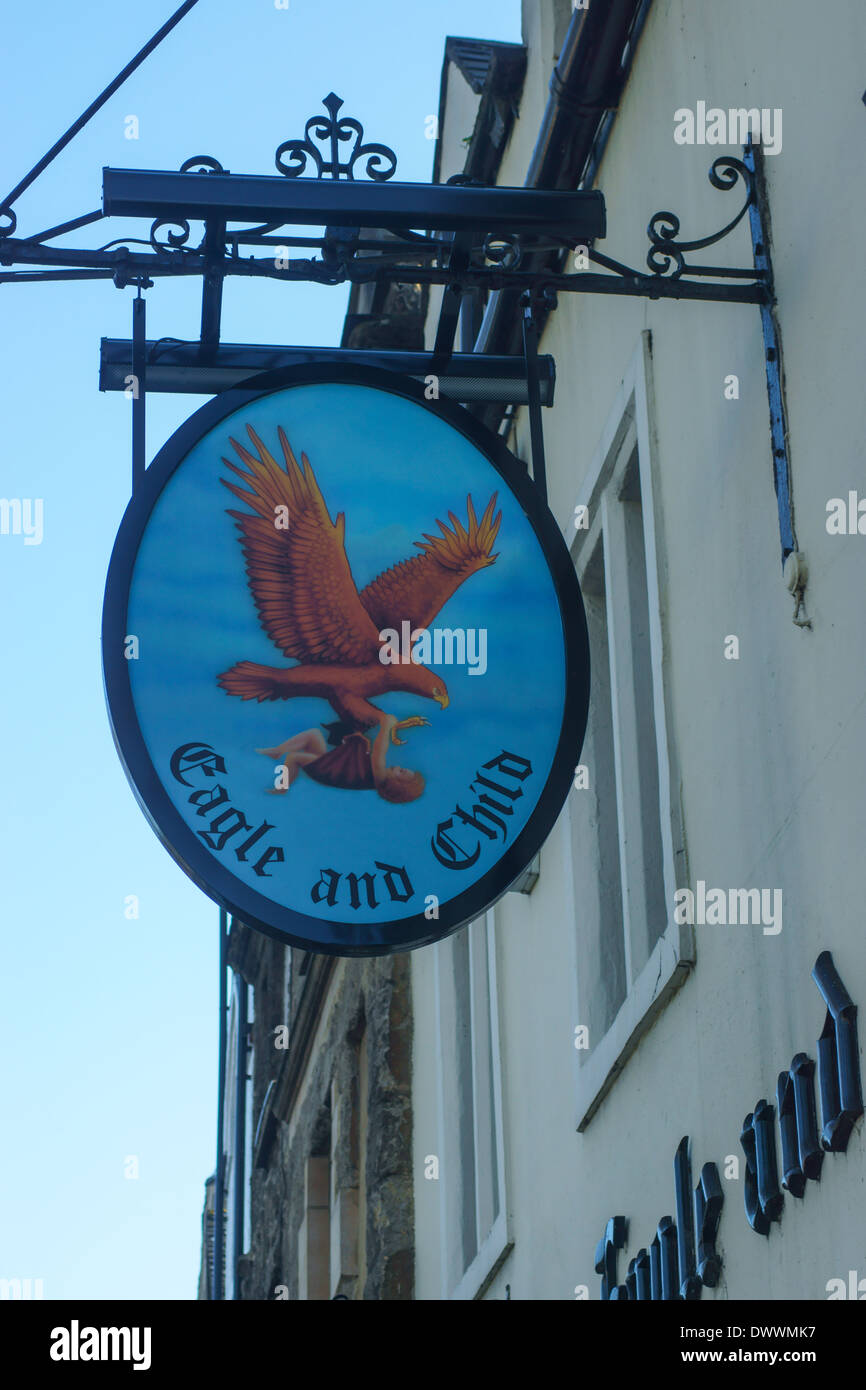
[109, 1023]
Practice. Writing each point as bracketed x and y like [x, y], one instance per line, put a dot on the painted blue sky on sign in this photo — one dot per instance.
[393, 468]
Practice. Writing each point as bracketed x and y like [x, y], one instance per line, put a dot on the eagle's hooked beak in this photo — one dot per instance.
[442, 700]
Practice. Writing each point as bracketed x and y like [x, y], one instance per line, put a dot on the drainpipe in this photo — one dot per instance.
[586, 82]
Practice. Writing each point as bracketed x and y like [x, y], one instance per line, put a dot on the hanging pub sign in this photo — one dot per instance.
[345, 659]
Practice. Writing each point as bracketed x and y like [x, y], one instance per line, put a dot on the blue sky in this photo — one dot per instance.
[109, 1024]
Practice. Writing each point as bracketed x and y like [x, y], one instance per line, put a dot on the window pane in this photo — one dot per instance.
[465, 1105]
[595, 834]
[486, 1176]
[655, 916]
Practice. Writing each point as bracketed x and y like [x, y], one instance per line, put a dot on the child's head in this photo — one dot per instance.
[400, 784]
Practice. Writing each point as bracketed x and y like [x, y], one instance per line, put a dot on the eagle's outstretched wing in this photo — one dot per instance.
[414, 590]
[298, 572]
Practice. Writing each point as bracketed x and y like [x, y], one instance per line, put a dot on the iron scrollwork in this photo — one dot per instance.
[9, 229]
[666, 252]
[175, 240]
[381, 161]
[202, 164]
[506, 251]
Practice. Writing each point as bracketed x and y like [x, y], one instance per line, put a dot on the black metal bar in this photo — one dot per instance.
[219, 1187]
[772, 359]
[71, 226]
[29, 277]
[95, 105]
[212, 285]
[446, 329]
[176, 368]
[139, 390]
[722, 272]
[536, 433]
[240, 1136]
[131, 264]
[452, 299]
[164, 195]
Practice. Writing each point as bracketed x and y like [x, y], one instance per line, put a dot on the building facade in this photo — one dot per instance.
[668, 1002]
[567, 1044]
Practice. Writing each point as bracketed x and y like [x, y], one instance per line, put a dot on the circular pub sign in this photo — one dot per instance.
[345, 658]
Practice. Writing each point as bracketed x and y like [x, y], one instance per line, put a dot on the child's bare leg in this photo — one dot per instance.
[310, 741]
[296, 752]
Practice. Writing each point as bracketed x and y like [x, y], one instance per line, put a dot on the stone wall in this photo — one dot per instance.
[341, 1012]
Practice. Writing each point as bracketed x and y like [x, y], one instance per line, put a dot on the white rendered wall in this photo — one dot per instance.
[772, 747]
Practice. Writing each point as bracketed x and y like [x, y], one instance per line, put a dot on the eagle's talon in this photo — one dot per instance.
[413, 722]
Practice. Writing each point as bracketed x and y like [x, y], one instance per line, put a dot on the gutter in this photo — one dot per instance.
[585, 90]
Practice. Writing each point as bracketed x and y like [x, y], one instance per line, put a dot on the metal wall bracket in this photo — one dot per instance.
[475, 238]
[793, 562]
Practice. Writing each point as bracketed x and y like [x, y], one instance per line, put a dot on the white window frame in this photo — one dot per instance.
[629, 424]
[495, 1244]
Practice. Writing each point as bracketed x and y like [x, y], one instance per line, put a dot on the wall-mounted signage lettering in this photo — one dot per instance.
[345, 658]
[673, 1267]
[802, 1150]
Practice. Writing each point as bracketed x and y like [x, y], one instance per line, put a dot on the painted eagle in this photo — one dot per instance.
[309, 605]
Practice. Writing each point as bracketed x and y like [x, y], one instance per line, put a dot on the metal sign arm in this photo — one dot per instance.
[38, 168]
[139, 389]
[530, 352]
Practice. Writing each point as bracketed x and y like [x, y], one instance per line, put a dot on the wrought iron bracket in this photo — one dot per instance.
[793, 562]
[473, 238]
[528, 305]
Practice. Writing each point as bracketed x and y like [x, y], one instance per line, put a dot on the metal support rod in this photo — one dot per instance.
[72, 226]
[139, 389]
[452, 300]
[174, 366]
[760, 232]
[443, 347]
[131, 264]
[219, 1186]
[94, 106]
[212, 285]
[240, 1117]
[536, 433]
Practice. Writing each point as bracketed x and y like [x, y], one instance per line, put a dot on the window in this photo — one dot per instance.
[626, 840]
[314, 1235]
[471, 1174]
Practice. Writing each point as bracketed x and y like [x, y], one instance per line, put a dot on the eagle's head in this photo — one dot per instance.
[420, 680]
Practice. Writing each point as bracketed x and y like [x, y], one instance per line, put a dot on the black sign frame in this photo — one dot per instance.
[214, 878]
